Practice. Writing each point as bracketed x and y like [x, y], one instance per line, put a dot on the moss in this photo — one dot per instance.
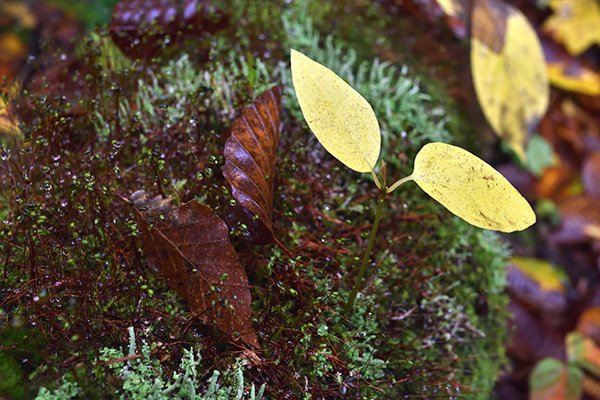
[431, 315]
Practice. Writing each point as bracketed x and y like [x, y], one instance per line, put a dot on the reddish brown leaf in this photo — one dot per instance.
[590, 175]
[250, 154]
[140, 27]
[189, 246]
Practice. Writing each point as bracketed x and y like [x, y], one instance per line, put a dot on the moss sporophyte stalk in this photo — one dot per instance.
[346, 125]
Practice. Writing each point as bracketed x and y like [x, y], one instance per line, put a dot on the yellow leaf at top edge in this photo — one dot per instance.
[341, 119]
[548, 276]
[511, 85]
[575, 23]
[452, 8]
[470, 188]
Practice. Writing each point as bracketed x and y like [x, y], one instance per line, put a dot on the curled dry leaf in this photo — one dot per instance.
[189, 246]
[341, 119]
[553, 380]
[509, 71]
[470, 188]
[250, 154]
[140, 27]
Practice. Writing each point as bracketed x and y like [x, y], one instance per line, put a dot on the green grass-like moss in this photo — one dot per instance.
[430, 322]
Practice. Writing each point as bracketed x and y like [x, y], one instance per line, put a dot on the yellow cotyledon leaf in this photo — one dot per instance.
[470, 188]
[509, 71]
[341, 119]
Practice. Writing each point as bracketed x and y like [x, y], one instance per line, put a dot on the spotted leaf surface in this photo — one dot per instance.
[470, 188]
[341, 119]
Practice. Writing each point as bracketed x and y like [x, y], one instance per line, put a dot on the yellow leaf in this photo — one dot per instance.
[575, 23]
[471, 188]
[509, 71]
[547, 276]
[453, 8]
[586, 81]
[8, 123]
[341, 119]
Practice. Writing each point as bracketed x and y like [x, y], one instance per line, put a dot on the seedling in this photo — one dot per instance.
[346, 125]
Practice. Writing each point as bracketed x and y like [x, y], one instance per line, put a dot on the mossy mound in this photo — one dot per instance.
[430, 323]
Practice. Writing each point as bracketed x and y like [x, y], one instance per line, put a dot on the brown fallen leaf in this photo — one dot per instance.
[189, 246]
[250, 154]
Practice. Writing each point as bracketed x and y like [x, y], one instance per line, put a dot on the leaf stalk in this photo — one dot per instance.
[358, 281]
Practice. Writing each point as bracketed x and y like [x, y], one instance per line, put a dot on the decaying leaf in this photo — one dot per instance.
[570, 73]
[583, 352]
[341, 119]
[470, 188]
[250, 154]
[575, 23]
[509, 71]
[552, 380]
[189, 246]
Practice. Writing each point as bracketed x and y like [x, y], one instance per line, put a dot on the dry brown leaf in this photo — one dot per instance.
[189, 246]
[250, 154]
